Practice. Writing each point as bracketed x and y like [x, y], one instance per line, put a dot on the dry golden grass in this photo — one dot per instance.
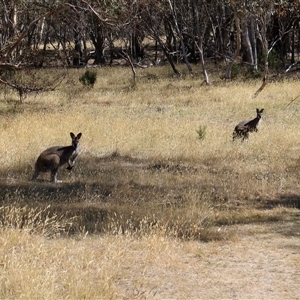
[262, 261]
[144, 179]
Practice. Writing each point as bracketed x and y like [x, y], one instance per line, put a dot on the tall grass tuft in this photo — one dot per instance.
[35, 220]
[88, 78]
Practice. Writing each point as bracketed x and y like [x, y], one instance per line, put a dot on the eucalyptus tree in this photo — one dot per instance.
[191, 20]
[158, 27]
[286, 31]
[185, 31]
[19, 22]
[22, 25]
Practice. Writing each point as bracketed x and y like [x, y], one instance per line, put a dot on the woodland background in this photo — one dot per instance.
[255, 34]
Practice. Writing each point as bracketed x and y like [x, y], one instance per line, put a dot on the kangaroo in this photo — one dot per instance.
[54, 157]
[242, 129]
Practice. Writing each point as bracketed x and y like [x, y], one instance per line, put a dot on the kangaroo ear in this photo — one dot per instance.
[79, 135]
[72, 135]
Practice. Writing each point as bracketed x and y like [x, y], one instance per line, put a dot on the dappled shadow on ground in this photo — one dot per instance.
[121, 187]
[288, 200]
[290, 227]
[279, 200]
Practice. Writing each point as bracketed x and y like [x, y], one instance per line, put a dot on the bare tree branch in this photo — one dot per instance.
[23, 90]
[10, 48]
[104, 20]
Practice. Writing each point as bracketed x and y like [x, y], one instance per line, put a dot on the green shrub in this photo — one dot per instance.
[201, 132]
[274, 60]
[88, 78]
[235, 70]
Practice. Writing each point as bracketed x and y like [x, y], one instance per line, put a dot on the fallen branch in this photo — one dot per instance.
[292, 100]
[264, 83]
[24, 89]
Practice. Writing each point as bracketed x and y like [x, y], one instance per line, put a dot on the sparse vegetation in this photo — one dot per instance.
[143, 182]
[201, 132]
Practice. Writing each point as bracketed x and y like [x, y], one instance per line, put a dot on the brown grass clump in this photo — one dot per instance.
[34, 220]
[152, 266]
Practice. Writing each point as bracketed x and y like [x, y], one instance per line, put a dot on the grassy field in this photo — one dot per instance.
[145, 190]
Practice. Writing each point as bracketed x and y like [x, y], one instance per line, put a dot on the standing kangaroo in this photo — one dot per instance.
[242, 129]
[54, 157]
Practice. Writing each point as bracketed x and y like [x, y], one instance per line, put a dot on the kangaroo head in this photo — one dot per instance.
[259, 113]
[75, 139]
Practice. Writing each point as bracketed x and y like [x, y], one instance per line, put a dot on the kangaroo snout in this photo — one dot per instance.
[54, 157]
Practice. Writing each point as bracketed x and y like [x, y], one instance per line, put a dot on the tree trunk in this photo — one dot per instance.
[262, 33]
[98, 42]
[254, 46]
[199, 45]
[246, 42]
[238, 48]
[180, 37]
[77, 59]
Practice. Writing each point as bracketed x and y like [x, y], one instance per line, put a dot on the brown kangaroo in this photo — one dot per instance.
[242, 129]
[54, 157]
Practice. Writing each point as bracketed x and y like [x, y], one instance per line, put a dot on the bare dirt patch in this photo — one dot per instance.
[262, 262]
